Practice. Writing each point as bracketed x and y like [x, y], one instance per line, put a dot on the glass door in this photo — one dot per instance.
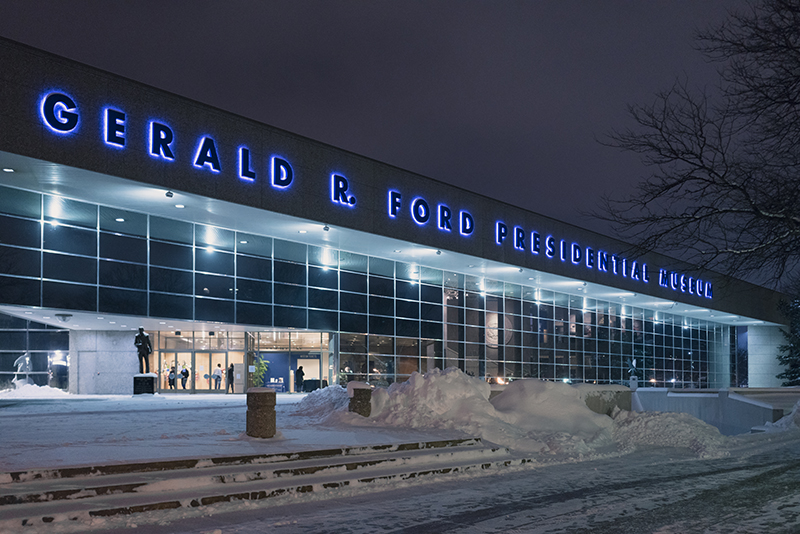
[211, 369]
[175, 372]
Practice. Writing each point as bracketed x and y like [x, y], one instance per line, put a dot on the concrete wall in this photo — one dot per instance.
[102, 362]
[730, 412]
[762, 351]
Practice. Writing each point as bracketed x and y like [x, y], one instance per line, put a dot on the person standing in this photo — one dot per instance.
[298, 379]
[184, 377]
[229, 379]
[171, 378]
[217, 374]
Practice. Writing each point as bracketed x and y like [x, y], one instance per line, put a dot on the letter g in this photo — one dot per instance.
[58, 112]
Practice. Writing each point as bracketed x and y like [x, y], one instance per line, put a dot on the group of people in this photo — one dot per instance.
[184, 374]
[216, 375]
[144, 348]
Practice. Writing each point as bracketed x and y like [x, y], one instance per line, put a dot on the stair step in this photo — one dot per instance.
[140, 488]
[171, 465]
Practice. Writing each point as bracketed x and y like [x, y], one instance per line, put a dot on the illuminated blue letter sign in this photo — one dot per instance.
[395, 203]
[519, 238]
[577, 253]
[339, 187]
[635, 274]
[420, 211]
[59, 113]
[207, 155]
[282, 175]
[550, 246]
[602, 261]
[114, 127]
[535, 242]
[245, 172]
[160, 138]
[467, 224]
[444, 218]
[500, 233]
[589, 258]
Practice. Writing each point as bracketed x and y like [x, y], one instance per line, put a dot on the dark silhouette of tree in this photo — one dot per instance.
[724, 191]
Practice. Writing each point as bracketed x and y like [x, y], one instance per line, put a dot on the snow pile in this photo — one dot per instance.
[530, 415]
[667, 429]
[32, 391]
[787, 422]
[536, 405]
[433, 399]
[321, 402]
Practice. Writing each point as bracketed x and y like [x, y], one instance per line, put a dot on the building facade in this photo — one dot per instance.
[235, 243]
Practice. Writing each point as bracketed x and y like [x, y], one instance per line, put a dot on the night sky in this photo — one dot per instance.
[506, 99]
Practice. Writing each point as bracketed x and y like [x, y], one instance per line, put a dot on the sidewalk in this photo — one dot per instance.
[81, 430]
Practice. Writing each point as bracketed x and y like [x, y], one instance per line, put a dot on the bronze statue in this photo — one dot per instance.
[144, 348]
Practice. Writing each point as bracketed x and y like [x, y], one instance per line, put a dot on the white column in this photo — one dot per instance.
[762, 352]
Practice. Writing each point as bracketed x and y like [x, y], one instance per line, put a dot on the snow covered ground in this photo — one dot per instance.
[546, 421]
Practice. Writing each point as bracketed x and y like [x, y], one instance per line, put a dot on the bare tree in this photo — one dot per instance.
[725, 185]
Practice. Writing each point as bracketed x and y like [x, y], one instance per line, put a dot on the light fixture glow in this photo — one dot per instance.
[180, 206]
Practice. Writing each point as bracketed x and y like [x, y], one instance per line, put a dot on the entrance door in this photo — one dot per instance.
[175, 362]
[206, 364]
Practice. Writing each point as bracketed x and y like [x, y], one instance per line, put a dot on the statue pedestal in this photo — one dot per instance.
[144, 383]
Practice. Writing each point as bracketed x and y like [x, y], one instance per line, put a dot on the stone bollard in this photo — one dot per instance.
[360, 402]
[261, 412]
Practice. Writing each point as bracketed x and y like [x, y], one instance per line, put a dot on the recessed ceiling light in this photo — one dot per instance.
[112, 322]
[119, 219]
[45, 317]
[123, 326]
[303, 232]
[243, 242]
[162, 322]
[8, 169]
[180, 206]
[398, 250]
[28, 313]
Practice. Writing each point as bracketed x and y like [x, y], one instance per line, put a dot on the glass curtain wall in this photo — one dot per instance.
[390, 318]
[33, 353]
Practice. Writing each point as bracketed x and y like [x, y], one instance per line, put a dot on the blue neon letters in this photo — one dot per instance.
[339, 191]
[420, 212]
[59, 113]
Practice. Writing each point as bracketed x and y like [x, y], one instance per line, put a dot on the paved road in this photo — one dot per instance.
[665, 491]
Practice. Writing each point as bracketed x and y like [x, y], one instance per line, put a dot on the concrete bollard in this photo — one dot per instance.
[261, 412]
[360, 402]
